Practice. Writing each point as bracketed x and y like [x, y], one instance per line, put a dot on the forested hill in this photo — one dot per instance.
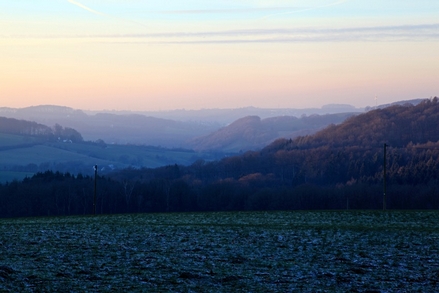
[29, 128]
[353, 151]
[339, 167]
[396, 126]
[14, 126]
[254, 133]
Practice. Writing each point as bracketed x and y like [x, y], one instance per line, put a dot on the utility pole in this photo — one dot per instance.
[94, 196]
[384, 178]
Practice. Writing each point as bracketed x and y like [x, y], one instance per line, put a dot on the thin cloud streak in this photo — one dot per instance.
[420, 32]
[306, 9]
[87, 8]
[227, 11]
[290, 10]
[104, 14]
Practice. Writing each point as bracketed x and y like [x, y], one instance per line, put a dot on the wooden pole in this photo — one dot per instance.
[94, 195]
[384, 177]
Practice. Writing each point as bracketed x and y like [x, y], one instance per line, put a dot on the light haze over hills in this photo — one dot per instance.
[122, 139]
[209, 129]
[166, 55]
[167, 128]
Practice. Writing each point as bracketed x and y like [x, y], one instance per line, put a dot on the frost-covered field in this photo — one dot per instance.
[223, 252]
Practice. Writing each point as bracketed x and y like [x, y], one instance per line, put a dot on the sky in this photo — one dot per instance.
[163, 55]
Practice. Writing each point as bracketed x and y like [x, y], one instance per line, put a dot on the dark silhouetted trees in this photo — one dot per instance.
[337, 168]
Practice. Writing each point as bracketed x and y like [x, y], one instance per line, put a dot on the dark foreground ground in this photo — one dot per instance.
[337, 251]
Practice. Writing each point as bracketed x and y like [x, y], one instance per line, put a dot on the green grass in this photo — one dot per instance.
[9, 176]
[29, 151]
[41, 153]
[358, 251]
[117, 155]
[7, 140]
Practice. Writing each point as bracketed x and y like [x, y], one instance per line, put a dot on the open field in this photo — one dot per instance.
[118, 155]
[20, 155]
[9, 176]
[8, 140]
[358, 251]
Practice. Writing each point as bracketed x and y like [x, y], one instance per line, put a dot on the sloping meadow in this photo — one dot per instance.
[358, 251]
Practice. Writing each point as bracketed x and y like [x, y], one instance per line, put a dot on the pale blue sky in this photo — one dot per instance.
[200, 54]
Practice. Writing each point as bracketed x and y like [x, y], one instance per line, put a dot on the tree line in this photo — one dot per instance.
[340, 167]
[37, 130]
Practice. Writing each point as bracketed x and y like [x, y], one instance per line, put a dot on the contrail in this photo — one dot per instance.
[87, 8]
[103, 14]
[306, 9]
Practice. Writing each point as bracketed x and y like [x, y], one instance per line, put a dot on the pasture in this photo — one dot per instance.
[298, 251]
[22, 156]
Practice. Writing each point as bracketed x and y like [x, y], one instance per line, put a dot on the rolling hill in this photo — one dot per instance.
[198, 129]
[252, 132]
[28, 147]
[115, 128]
[339, 167]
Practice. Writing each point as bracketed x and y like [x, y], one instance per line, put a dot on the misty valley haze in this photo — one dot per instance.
[147, 56]
[219, 146]
[171, 129]
[75, 140]
[327, 169]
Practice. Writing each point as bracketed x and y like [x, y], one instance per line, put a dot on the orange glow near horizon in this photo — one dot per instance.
[105, 74]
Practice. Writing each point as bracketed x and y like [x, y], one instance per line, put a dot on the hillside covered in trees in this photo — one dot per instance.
[339, 167]
[28, 147]
[37, 130]
[254, 133]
